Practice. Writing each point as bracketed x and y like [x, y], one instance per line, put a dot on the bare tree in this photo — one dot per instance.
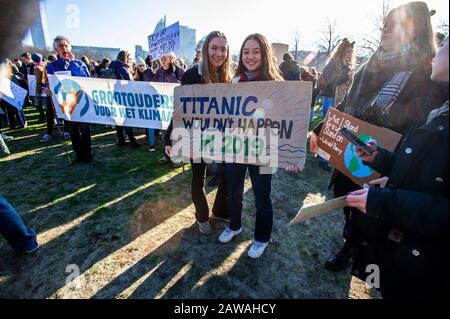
[18, 51]
[296, 43]
[330, 37]
[443, 27]
[372, 41]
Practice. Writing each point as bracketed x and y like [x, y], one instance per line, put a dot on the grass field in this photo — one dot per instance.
[127, 223]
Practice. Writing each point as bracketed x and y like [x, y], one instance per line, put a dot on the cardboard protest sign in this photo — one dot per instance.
[318, 210]
[257, 123]
[12, 93]
[32, 86]
[164, 42]
[341, 154]
[113, 102]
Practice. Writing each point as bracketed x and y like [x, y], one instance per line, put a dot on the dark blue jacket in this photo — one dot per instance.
[121, 69]
[76, 67]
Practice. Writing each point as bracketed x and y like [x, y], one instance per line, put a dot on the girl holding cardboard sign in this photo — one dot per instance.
[256, 63]
[214, 68]
[413, 209]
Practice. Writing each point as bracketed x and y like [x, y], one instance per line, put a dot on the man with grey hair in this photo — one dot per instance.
[66, 64]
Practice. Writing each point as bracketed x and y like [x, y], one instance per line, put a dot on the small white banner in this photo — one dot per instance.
[12, 93]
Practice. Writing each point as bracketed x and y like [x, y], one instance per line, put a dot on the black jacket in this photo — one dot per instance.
[410, 216]
[290, 70]
[190, 77]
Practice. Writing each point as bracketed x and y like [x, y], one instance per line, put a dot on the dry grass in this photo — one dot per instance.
[128, 224]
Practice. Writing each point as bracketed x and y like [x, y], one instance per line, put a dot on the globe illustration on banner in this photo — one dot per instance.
[70, 95]
[353, 163]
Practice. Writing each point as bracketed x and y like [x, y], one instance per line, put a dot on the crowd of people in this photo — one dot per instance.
[400, 223]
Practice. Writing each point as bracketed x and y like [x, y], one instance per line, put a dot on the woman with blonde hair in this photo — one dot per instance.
[215, 67]
[344, 56]
[338, 72]
[335, 81]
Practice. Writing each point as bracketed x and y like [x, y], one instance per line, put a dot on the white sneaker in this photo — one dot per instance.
[205, 228]
[257, 249]
[228, 235]
[46, 138]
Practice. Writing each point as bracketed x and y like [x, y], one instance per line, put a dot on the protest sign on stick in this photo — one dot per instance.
[164, 42]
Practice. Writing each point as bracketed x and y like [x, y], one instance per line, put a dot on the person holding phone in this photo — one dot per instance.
[411, 213]
[392, 89]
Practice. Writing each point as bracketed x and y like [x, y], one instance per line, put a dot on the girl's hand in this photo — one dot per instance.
[168, 151]
[381, 182]
[314, 143]
[358, 200]
[292, 169]
[366, 157]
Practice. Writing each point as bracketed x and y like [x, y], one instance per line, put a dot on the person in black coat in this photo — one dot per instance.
[392, 90]
[410, 215]
[122, 71]
[214, 68]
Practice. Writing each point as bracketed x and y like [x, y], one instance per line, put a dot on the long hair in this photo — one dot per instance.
[225, 72]
[418, 17]
[269, 68]
[123, 57]
[338, 54]
[105, 61]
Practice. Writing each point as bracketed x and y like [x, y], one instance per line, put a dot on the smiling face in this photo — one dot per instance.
[217, 53]
[251, 55]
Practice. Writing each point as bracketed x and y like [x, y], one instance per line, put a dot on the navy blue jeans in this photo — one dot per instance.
[12, 227]
[262, 186]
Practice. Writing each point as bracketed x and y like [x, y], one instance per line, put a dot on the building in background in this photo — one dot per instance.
[279, 49]
[188, 40]
[95, 53]
[140, 52]
[39, 30]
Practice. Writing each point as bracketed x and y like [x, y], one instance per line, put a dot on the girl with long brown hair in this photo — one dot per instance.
[214, 68]
[256, 63]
